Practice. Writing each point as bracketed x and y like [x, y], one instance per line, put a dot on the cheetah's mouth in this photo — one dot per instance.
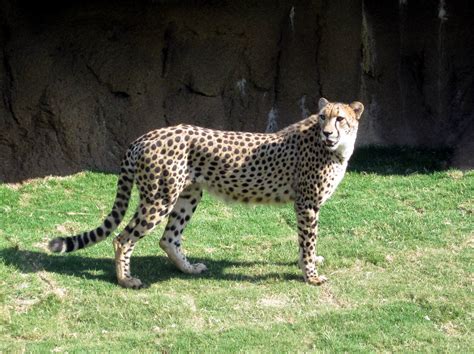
[330, 143]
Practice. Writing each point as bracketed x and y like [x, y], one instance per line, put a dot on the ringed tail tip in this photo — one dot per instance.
[56, 245]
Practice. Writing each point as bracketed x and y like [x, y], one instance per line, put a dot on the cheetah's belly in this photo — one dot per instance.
[260, 195]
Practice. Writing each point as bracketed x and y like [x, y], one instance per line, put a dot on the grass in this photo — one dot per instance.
[398, 239]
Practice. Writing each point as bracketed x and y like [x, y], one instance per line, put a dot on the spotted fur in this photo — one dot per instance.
[302, 163]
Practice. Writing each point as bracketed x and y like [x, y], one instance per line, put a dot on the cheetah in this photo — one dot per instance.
[302, 163]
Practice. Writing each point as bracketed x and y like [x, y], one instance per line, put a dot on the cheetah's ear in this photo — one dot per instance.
[358, 108]
[322, 103]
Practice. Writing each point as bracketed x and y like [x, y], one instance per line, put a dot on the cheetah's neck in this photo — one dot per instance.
[344, 151]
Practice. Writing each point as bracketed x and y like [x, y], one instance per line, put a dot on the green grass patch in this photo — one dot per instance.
[397, 235]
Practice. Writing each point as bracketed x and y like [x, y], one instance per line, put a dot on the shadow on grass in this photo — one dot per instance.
[399, 160]
[150, 269]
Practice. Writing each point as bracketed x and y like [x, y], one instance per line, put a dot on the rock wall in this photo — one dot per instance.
[82, 79]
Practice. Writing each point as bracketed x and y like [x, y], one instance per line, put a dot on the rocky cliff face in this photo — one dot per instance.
[82, 79]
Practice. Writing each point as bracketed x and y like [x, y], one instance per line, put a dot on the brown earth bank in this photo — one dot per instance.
[81, 79]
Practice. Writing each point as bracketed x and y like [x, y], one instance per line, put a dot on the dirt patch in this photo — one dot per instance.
[329, 297]
[274, 302]
[68, 228]
[24, 304]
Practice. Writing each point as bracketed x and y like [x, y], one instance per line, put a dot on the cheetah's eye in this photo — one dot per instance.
[340, 119]
[322, 117]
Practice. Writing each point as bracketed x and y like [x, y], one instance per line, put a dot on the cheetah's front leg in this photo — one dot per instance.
[308, 215]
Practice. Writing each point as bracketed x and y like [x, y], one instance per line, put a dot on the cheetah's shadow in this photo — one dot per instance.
[150, 269]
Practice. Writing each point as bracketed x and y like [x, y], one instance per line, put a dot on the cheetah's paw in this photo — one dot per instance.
[198, 268]
[316, 280]
[131, 283]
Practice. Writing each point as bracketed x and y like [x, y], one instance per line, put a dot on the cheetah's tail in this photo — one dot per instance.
[111, 222]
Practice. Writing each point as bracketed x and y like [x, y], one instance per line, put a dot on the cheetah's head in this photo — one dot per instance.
[339, 123]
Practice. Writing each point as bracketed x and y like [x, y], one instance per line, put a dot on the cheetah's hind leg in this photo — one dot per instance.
[171, 242]
[145, 219]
